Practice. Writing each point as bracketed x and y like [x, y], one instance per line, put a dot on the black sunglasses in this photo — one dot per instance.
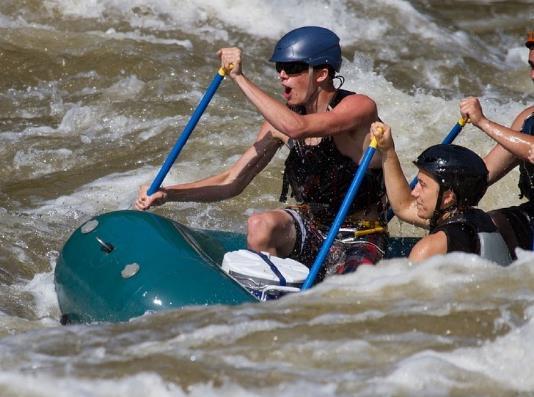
[291, 67]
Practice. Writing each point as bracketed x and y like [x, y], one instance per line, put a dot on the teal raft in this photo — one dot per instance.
[123, 264]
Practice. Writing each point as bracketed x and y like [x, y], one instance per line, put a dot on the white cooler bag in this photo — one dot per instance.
[264, 275]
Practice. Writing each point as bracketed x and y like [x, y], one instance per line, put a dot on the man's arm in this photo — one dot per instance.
[502, 159]
[499, 162]
[512, 142]
[353, 112]
[222, 186]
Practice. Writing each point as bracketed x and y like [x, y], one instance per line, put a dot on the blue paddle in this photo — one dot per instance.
[341, 214]
[447, 140]
[182, 139]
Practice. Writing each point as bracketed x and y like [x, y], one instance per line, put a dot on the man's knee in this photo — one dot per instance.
[271, 231]
[259, 231]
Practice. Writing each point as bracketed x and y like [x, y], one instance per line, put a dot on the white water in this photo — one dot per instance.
[93, 95]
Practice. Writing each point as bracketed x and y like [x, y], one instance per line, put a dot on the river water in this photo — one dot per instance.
[94, 93]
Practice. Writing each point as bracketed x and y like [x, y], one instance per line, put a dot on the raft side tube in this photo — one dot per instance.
[134, 262]
[122, 264]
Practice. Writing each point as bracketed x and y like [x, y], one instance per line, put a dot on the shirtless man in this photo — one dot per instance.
[514, 147]
[327, 131]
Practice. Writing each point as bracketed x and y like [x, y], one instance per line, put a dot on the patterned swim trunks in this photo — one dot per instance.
[345, 255]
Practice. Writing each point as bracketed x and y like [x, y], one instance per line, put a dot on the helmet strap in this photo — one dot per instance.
[438, 211]
[341, 80]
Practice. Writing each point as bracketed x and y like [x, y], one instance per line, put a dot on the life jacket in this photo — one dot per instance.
[526, 168]
[320, 175]
[476, 225]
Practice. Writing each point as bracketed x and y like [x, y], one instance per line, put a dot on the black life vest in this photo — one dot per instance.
[526, 168]
[474, 232]
[319, 175]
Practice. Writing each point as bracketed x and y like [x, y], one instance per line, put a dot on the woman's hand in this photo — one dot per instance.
[382, 134]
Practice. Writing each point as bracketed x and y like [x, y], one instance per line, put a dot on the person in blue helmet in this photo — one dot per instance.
[450, 182]
[326, 130]
[515, 146]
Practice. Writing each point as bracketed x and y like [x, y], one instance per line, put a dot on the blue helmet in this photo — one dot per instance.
[309, 44]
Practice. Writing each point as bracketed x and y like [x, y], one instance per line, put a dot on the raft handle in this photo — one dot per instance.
[106, 247]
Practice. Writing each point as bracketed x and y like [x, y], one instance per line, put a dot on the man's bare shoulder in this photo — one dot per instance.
[360, 106]
[359, 99]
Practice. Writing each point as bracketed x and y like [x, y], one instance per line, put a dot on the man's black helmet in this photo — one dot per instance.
[457, 168]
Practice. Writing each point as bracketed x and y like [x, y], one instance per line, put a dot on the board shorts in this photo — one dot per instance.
[347, 252]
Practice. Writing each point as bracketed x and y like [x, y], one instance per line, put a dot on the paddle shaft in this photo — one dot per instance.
[184, 136]
[447, 140]
[341, 214]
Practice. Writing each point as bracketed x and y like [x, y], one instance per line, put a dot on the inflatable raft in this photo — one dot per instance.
[123, 264]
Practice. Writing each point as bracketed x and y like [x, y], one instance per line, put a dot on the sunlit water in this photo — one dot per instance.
[93, 94]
